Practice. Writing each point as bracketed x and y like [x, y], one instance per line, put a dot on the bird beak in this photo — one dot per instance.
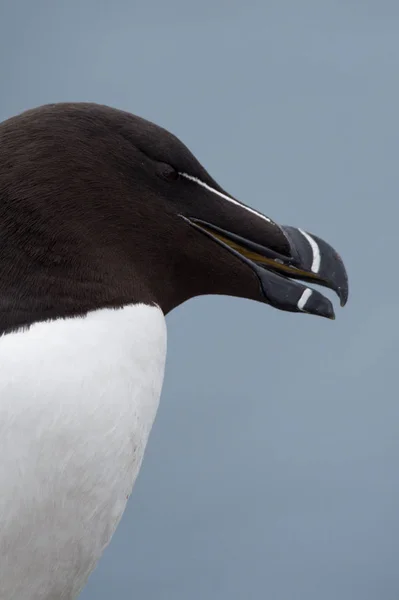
[311, 260]
[280, 256]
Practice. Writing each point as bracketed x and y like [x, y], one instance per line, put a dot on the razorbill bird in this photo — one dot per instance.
[107, 223]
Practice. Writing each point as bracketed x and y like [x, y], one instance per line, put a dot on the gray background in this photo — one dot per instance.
[272, 467]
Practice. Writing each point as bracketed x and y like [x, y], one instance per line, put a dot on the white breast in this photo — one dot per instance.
[77, 401]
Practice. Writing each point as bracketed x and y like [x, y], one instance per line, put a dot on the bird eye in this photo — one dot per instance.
[167, 172]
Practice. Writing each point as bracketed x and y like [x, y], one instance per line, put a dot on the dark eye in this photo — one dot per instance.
[167, 172]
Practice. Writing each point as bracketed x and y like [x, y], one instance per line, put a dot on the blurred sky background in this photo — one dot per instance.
[272, 469]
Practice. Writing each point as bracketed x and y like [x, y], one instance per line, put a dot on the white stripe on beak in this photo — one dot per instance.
[304, 298]
[315, 251]
[224, 196]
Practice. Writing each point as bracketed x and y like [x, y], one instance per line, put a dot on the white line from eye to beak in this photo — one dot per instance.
[224, 196]
[304, 298]
[315, 251]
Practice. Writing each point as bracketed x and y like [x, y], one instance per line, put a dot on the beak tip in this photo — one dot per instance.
[319, 305]
[331, 272]
[343, 293]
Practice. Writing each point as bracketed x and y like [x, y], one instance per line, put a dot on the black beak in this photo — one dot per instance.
[310, 259]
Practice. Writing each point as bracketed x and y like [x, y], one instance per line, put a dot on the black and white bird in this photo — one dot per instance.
[107, 223]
